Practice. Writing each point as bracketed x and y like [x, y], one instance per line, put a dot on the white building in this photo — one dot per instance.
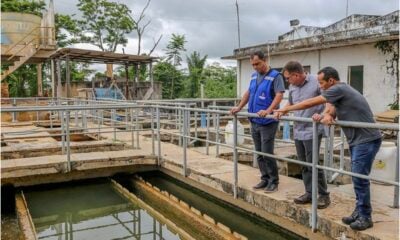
[347, 45]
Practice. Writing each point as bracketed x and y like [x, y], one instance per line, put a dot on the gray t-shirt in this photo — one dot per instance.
[309, 89]
[351, 106]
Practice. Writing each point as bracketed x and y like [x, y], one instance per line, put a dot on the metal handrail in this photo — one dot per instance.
[29, 34]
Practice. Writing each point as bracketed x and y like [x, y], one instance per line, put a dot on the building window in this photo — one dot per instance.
[356, 77]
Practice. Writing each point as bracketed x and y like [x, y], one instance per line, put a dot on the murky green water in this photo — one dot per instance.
[90, 211]
[238, 220]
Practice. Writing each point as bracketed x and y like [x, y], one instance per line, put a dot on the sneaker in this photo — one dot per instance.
[303, 199]
[362, 223]
[323, 201]
[271, 188]
[260, 185]
[350, 219]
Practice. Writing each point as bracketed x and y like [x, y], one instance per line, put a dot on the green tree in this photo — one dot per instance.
[104, 24]
[23, 6]
[174, 50]
[196, 67]
[164, 71]
[220, 82]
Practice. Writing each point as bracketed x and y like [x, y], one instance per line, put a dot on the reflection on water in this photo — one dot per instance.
[91, 211]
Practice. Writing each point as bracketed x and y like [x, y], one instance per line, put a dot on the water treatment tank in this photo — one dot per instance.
[16, 26]
[384, 166]
[229, 133]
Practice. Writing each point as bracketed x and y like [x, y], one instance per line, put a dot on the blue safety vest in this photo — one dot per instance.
[261, 96]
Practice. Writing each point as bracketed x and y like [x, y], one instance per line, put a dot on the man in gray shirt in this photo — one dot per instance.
[364, 143]
[304, 86]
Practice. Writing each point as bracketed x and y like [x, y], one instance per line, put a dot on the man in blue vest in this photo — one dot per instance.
[264, 95]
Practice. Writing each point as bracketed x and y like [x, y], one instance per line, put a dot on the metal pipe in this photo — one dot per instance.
[315, 157]
[137, 127]
[396, 188]
[63, 133]
[152, 132]
[14, 114]
[217, 137]
[208, 134]
[158, 136]
[68, 142]
[113, 115]
[132, 131]
[235, 158]
[184, 143]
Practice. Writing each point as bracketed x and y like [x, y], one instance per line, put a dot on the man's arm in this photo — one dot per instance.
[278, 115]
[303, 105]
[327, 116]
[277, 99]
[243, 102]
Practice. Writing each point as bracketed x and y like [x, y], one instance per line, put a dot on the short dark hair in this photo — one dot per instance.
[293, 67]
[259, 54]
[329, 72]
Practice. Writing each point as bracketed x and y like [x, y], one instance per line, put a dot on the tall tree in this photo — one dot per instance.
[219, 81]
[174, 50]
[104, 24]
[196, 67]
[141, 27]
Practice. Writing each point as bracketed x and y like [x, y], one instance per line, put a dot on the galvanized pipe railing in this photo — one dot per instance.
[186, 112]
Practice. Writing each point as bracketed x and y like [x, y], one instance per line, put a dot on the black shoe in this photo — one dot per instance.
[350, 219]
[271, 188]
[323, 201]
[260, 185]
[362, 223]
[303, 199]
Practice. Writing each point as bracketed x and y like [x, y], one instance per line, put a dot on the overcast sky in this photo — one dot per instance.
[210, 26]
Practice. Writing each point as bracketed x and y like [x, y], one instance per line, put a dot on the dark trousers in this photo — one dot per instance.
[264, 137]
[304, 153]
[362, 157]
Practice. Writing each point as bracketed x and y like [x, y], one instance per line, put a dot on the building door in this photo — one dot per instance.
[356, 77]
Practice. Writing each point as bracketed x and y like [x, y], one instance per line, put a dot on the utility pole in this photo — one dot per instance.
[347, 8]
[238, 22]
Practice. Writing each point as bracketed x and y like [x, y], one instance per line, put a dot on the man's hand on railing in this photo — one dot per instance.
[263, 113]
[235, 110]
[326, 119]
[278, 115]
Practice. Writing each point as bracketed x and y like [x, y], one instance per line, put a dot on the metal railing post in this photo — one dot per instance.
[208, 134]
[137, 127]
[113, 117]
[62, 133]
[132, 130]
[195, 124]
[37, 112]
[67, 133]
[331, 150]
[152, 131]
[184, 143]
[235, 158]
[315, 157]
[14, 114]
[180, 127]
[217, 137]
[158, 136]
[396, 188]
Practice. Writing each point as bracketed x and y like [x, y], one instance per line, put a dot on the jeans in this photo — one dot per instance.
[304, 153]
[264, 138]
[362, 157]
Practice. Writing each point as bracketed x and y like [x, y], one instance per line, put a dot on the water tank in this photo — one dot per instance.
[229, 133]
[384, 165]
[15, 26]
